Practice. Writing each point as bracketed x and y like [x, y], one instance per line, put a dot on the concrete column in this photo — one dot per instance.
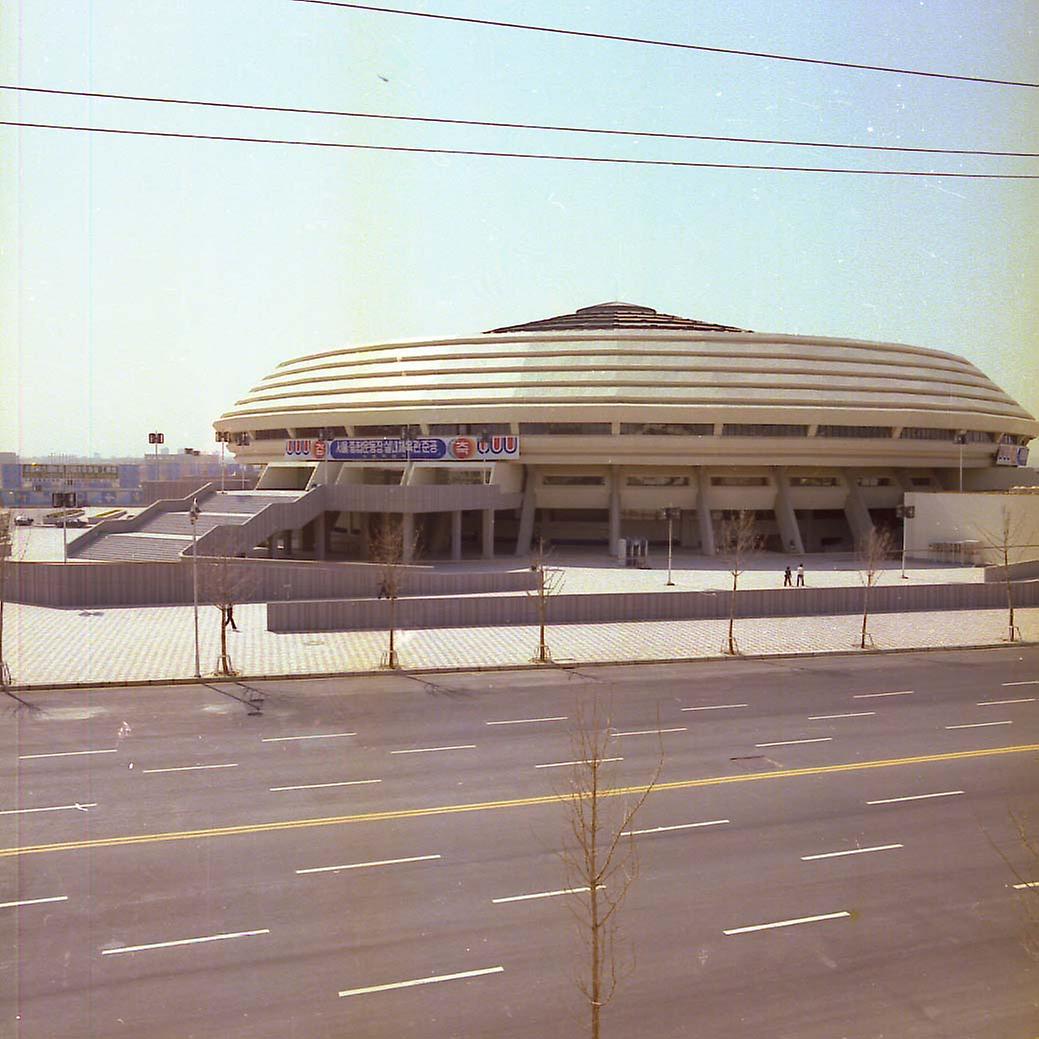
[703, 511]
[407, 533]
[785, 515]
[487, 516]
[321, 536]
[456, 534]
[615, 508]
[856, 511]
[526, 523]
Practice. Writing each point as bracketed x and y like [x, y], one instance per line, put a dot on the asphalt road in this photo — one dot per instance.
[171, 851]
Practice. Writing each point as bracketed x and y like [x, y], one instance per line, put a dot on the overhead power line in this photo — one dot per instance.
[601, 159]
[555, 30]
[498, 124]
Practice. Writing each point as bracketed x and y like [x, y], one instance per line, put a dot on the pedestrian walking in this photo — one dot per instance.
[786, 578]
[800, 575]
[384, 592]
[230, 617]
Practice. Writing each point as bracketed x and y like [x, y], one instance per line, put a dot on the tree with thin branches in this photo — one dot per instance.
[5, 554]
[599, 853]
[1004, 540]
[549, 583]
[386, 548]
[873, 551]
[226, 582]
[1026, 877]
[738, 539]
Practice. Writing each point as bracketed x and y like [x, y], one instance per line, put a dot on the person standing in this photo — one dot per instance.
[786, 577]
[800, 575]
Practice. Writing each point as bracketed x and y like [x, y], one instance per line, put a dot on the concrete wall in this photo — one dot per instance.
[108, 584]
[160, 490]
[464, 612]
[945, 517]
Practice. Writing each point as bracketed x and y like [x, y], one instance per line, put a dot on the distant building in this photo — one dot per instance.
[97, 482]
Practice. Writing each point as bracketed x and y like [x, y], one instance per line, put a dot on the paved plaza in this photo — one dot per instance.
[44, 646]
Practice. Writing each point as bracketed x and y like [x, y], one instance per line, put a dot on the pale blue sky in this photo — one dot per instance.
[147, 283]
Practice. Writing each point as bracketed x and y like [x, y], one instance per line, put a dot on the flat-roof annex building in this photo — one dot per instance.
[581, 428]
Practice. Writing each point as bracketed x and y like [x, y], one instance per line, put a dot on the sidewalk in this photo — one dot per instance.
[46, 646]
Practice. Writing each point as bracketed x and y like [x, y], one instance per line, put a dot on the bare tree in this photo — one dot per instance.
[873, 550]
[1026, 878]
[386, 548]
[599, 853]
[549, 583]
[225, 583]
[1003, 541]
[738, 540]
[5, 552]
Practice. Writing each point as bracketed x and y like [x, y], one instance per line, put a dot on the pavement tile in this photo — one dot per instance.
[44, 645]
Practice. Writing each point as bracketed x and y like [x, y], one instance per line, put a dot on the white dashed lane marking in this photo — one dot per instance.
[366, 865]
[790, 743]
[850, 851]
[788, 923]
[56, 808]
[421, 981]
[65, 754]
[679, 826]
[318, 736]
[185, 941]
[33, 901]
[914, 797]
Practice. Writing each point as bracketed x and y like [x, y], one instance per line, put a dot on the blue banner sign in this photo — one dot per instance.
[416, 449]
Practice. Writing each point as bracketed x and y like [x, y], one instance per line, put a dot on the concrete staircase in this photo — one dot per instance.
[234, 520]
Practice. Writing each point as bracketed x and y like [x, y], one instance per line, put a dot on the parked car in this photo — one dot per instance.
[73, 521]
[23, 521]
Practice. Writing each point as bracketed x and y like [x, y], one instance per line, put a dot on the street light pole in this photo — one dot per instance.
[961, 439]
[194, 514]
[905, 513]
[669, 514]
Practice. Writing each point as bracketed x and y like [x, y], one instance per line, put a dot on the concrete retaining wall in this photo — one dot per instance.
[1027, 571]
[106, 584]
[471, 612]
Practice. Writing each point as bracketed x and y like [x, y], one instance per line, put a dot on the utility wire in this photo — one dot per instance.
[602, 159]
[667, 43]
[495, 124]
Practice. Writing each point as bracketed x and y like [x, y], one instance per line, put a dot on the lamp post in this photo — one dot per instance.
[670, 514]
[904, 513]
[193, 514]
[960, 439]
[242, 440]
[156, 439]
[222, 437]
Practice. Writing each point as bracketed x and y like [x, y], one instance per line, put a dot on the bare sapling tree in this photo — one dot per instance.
[1004, 541]
[737, 541]
[599, 854]
[875, 549]
[5, 553]
[225, 583]
[1022, 862]
[549, 583]
[387, 549]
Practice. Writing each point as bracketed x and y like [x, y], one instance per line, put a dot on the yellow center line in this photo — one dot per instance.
[520, 802]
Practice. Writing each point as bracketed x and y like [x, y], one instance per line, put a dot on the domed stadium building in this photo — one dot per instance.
[584, 428]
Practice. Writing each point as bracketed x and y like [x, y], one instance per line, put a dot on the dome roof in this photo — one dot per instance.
[613, 361]
[614, 315]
